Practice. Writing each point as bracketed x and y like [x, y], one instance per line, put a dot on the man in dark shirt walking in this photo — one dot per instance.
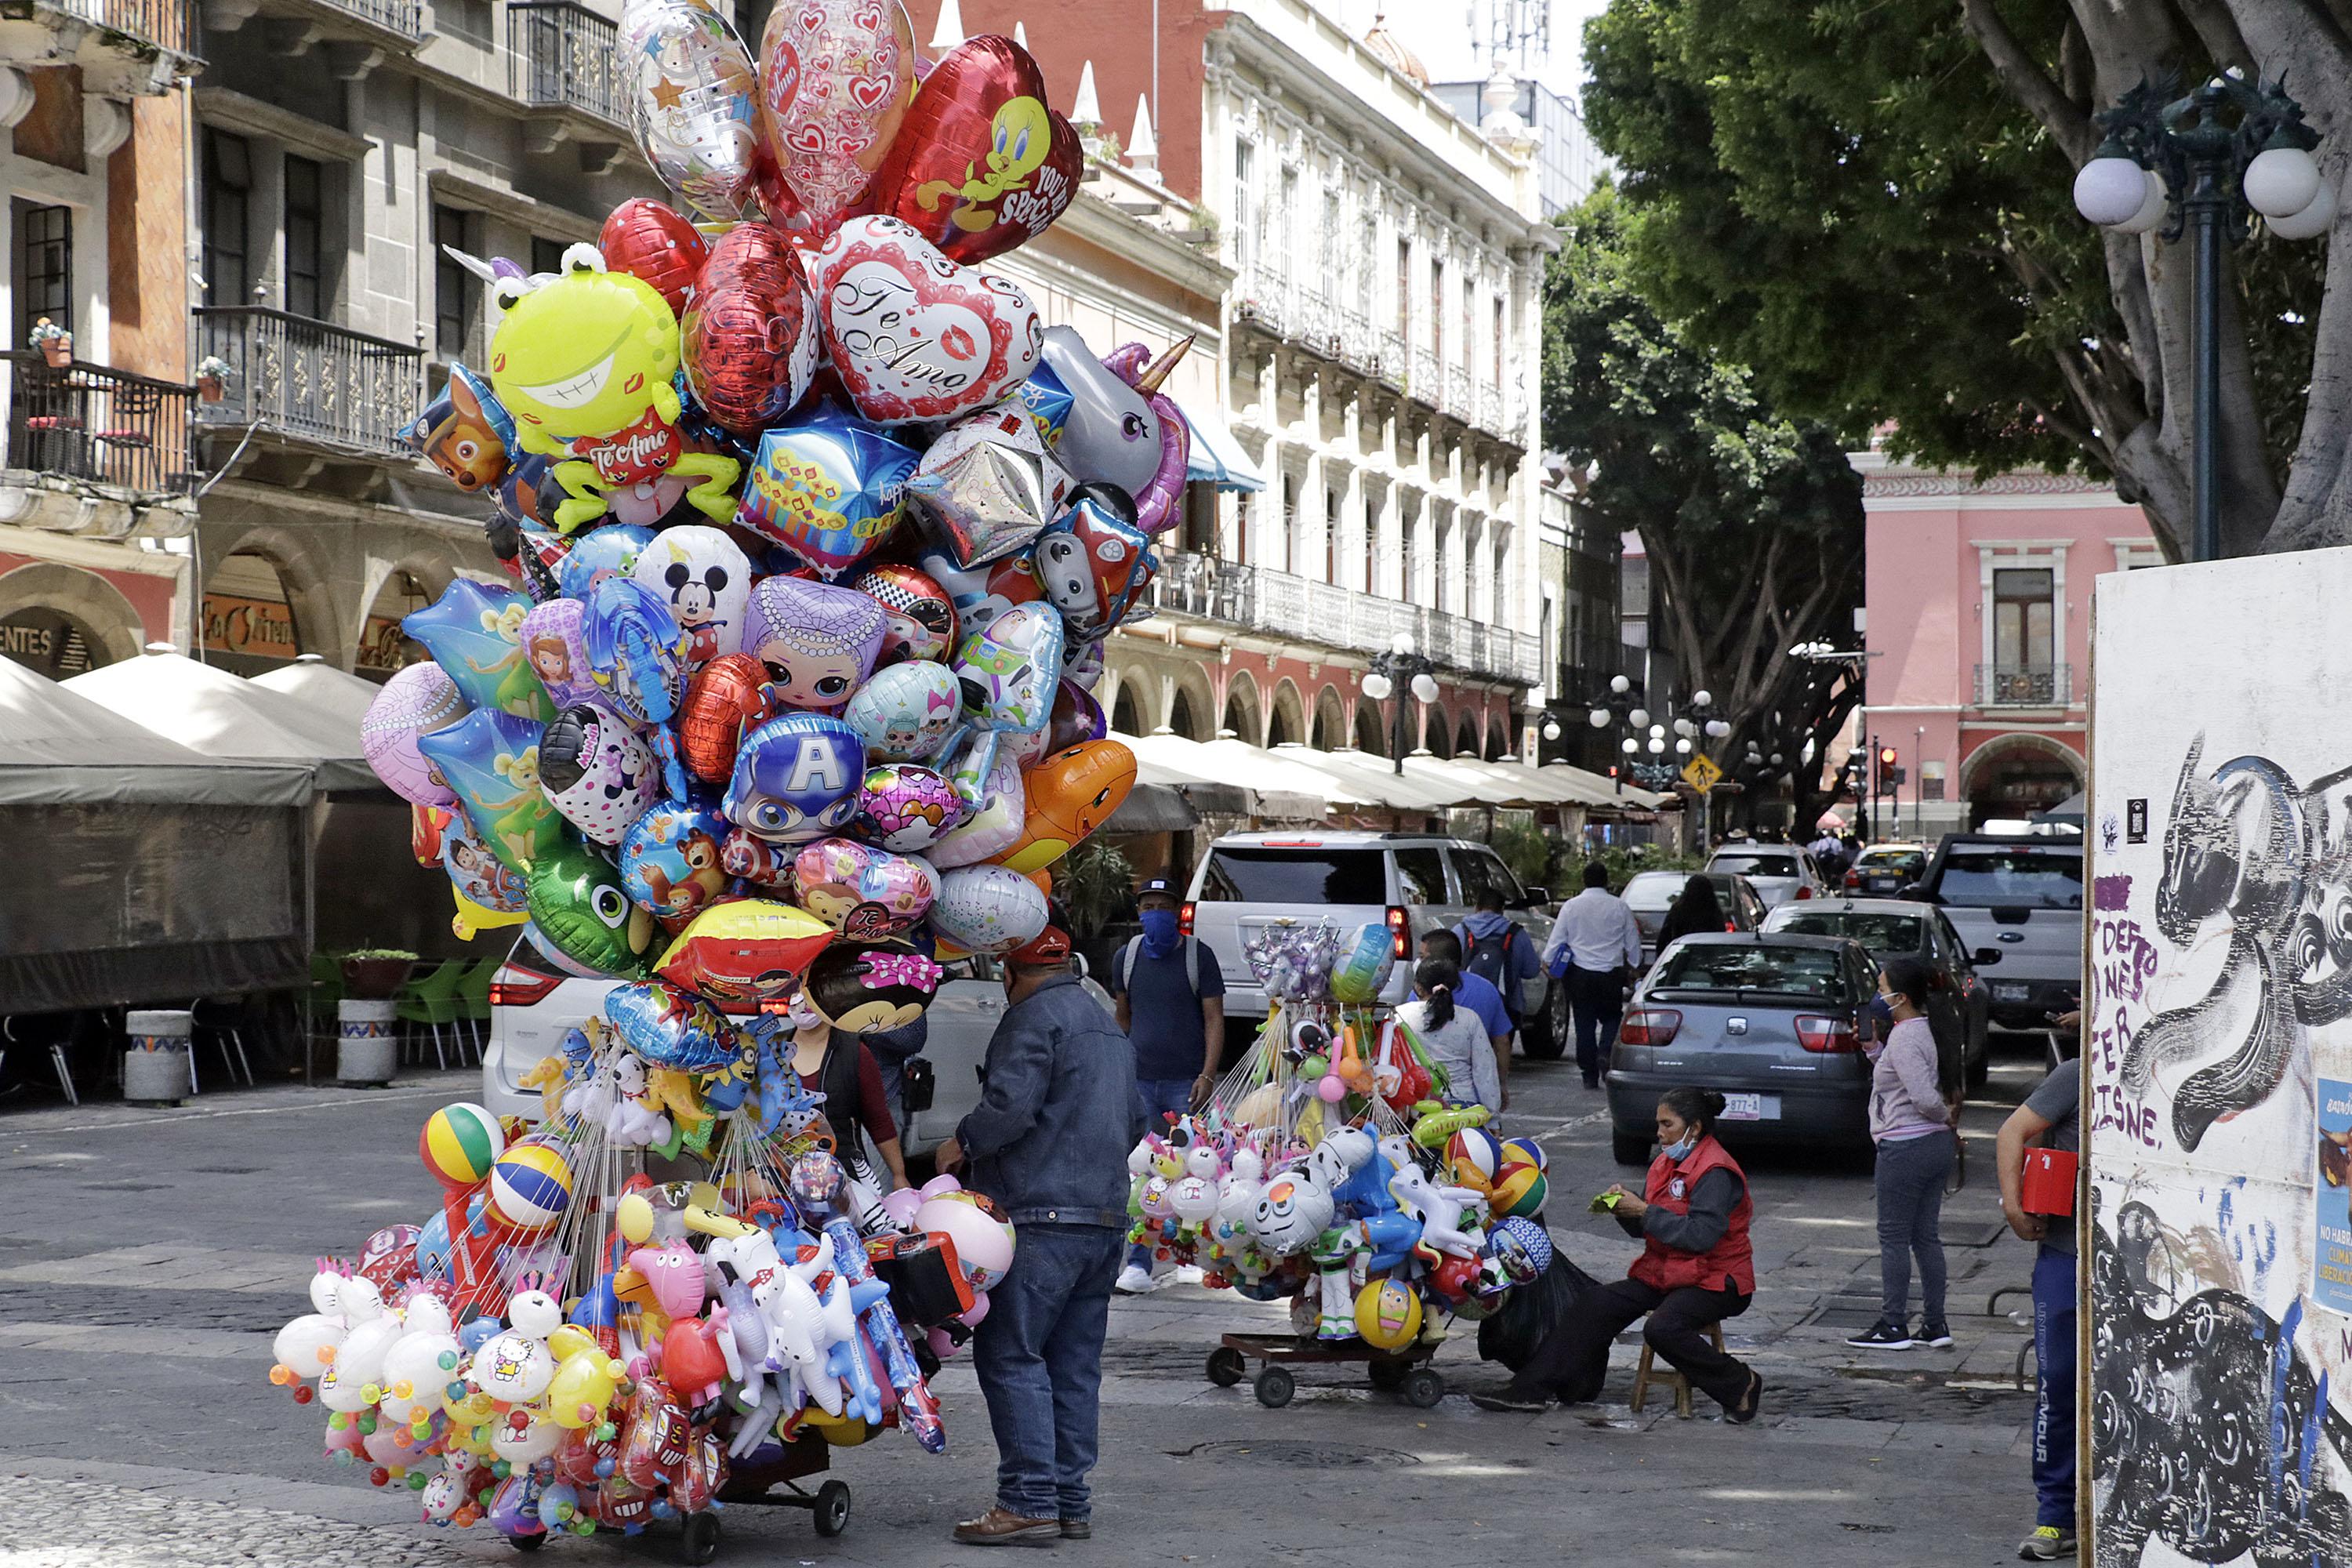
[1170, 995]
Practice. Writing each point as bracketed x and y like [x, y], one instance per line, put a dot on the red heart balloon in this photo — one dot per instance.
[651, 242]
[750, 330]
[912, 335]
[834, 78]
[980, 164]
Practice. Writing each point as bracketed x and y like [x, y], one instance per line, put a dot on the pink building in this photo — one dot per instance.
[1977, 610]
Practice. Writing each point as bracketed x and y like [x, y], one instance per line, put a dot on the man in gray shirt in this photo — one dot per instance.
[2049, 1114]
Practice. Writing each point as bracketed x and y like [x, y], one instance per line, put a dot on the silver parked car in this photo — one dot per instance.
[1779, 871]
[1958, 1003]
[1650, 894]
[1776, 1024]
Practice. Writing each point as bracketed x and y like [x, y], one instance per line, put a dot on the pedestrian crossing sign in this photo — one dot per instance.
[1701, 773]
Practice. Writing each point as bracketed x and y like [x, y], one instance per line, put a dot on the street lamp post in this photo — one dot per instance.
[2182, 164]
[1399, 670]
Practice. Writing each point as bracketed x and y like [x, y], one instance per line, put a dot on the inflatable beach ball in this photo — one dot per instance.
[530, 1185]
[460, 1144]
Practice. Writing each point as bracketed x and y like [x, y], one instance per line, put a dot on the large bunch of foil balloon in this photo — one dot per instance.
[1332, 1167]
[813, 532]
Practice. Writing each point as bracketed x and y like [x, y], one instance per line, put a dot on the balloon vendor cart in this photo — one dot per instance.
[1330, 1168]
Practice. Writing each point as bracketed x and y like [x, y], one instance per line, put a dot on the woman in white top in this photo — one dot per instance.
[1913, 1111]
[1451, 1037]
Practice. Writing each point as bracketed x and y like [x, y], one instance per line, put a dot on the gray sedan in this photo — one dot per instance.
[1775, 1024]
[1957, 1002]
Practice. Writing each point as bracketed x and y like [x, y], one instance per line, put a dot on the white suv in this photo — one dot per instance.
[1412, 882]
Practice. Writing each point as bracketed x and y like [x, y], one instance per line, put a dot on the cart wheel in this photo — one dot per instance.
[1275, 1386]
[528, 1542]
[832, 1511]
[1385, 1376]
[1421, 1387]
[1226, 1366]
[699, 1543]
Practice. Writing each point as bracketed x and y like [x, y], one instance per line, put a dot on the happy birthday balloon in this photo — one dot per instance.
[669, 859]
[474, 632]
[415, 701]
[598, 772]
[922, 622]
[579, 905]
[905, 713]
[796, 778]
[907, 809]
[829, 487]
[988, 908]
[693, 102]
[707, 583]
[751, 338]
[818, 641]
[861, 891]
[988, 485]
[912, 335]
[1010, 670]
[980, 164]
[490, 759]
[653, 244]
[835, 77]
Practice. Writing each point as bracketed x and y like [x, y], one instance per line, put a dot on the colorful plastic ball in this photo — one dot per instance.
[1332, 1089]
[1388, 1314]
[460, 1144]
[1472, 1157]
[1519, 1190]
[1366, 957]
[1526, 1152]
[983, 1244]
[531, 1186]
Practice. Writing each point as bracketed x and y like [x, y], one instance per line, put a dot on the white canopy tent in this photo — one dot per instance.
[224, 715]
[312, 679]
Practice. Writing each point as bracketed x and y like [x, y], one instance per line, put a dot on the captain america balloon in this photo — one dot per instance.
[797, 777]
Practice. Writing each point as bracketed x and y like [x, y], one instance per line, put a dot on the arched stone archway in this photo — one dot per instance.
[1497, 746]
[304, 576]
[2017, 774]
[1241, 711]
[1287, 720]
[1330, 730]
[1436, 731]
[1125, 716]
[1192, 703]
[383, 647]
[61, 620]
[1371, 728]
[1465, 737]
[1181, 718]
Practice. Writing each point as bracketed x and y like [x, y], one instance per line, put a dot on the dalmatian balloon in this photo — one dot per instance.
[707, 580]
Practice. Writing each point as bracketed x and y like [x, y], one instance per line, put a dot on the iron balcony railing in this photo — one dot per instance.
[565, 56]
[405, 17]
[101, 425]
[310, 380]
[167, 24]
[2025, 686]
[1289, 606]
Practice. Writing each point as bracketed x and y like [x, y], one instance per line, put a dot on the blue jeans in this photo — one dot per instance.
[1160, 1096]
[1910, 1180]
[2054, 1386]
[1038, 1355]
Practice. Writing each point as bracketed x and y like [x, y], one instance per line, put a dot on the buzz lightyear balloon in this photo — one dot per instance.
[1009, 670]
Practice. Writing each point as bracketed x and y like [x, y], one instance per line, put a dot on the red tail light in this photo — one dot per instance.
[1731, 925]
[1185, 913]
[1831, 1036]
[522, 987]
[1804, 889]
[1853, 879]
[1401, 929]
[1649, 1026]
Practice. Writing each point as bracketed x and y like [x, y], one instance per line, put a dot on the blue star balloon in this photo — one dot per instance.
[490, 760]
[830, 489]
[474, 631]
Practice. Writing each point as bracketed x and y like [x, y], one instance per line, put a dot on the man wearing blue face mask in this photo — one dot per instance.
[1170, 995]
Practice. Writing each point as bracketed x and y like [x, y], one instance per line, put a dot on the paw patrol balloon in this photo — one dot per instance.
[922, 621]
[598, 771]
[864, 893]
[707, 582]
[474, 631]
[796, 778]
[818, 640]
[1009, 672]
[490, 759]
[669, 859]
[906, 712]
[578, 904]
[465, 432]
[907, 809]
[1092, 563]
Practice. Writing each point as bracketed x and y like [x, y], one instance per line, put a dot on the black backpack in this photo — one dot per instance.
[1489, 957]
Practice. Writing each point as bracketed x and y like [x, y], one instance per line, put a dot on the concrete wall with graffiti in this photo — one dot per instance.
[2218, 1044]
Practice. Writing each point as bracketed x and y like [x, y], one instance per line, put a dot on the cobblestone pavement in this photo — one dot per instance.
[147, 1257]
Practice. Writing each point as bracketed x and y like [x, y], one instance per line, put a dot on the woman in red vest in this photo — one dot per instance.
[1695, 1269]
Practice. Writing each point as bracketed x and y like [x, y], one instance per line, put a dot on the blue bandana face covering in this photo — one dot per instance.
[1159, 933]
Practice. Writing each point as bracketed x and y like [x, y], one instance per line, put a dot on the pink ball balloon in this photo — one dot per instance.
[940, 1186]
[1332, 1089]
[901, 1205]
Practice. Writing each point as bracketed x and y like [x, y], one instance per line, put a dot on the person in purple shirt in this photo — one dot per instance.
[1478, 996]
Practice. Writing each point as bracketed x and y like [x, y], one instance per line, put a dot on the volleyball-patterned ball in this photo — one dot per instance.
[530, 1185]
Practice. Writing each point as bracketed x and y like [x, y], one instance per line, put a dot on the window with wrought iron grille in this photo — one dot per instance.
[226, 193]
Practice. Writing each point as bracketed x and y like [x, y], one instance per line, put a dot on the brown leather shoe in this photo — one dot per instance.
[1001, 1526]
[1078, 1530]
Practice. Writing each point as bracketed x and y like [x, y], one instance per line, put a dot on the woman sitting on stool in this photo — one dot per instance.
[1695, 1269]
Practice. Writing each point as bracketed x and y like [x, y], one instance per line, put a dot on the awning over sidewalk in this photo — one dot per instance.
[59, 748]
[223, 715]
[1216, 456]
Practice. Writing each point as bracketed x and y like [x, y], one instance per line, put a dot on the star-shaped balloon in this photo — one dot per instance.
[829, 487]
[474, 631]
[987, 485]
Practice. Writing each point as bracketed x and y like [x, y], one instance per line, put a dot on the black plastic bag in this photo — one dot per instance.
[1530, 1312]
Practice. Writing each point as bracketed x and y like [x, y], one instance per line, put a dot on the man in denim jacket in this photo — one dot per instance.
[1048, 1142]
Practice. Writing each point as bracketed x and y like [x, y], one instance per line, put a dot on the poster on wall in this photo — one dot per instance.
[2218, 1039]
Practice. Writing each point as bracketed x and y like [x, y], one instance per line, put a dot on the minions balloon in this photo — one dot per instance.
[586, 365]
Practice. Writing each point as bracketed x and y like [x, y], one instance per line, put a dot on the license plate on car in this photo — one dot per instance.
[1751, 1107]
[2010, 992]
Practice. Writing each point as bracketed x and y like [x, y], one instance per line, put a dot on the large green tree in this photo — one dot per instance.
[1871, 204]
[1752, 525]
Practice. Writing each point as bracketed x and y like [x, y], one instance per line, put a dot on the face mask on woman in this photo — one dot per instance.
[1682, 1150]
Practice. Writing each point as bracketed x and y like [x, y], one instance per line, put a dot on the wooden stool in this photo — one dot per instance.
[1644, 1376]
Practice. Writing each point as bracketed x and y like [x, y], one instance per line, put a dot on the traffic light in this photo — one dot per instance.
[1889, 777]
